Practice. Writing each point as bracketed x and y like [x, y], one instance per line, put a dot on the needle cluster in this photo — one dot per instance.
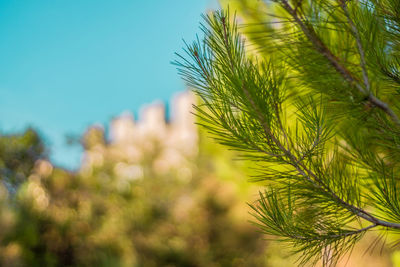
[315, 108]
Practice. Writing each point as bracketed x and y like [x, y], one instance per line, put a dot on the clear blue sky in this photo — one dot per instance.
[65, 65]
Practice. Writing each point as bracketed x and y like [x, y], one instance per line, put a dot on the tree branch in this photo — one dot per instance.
[335, 62]
[313, 178]
[292, 159]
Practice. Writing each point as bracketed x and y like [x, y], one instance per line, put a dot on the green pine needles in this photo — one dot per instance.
[312, 98]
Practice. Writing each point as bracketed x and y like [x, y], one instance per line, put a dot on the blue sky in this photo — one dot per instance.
[65, 65]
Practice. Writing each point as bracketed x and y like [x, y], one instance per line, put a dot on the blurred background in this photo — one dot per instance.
[69, 64]
[101, 162]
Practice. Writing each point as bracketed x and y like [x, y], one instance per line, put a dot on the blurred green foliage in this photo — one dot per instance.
[190, 216]
[18, 154]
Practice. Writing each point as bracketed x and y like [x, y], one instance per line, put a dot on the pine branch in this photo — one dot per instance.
[243, 102]
[308, 174]
[335, 62]
[313, 178]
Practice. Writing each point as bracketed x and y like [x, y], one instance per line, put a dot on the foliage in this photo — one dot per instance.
[182, 217]
[18, 154]
[313, 103]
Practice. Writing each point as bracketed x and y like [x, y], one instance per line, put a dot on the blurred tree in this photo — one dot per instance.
[120, 212]
[18, 154]
[315, 106]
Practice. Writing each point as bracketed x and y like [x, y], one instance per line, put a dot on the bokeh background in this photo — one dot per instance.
[68, 64]
[101, 162]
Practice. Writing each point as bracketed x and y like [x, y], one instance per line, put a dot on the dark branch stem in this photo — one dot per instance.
[292, 160]
[312, 177]
[335, 62]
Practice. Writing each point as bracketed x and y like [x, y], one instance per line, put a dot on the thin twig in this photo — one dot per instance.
[334, 236]
[356, 33]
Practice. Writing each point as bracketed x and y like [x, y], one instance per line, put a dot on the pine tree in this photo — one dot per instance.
[315, 108]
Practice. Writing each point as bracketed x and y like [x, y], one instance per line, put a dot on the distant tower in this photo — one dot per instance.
[152, 121]
[123, 129]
